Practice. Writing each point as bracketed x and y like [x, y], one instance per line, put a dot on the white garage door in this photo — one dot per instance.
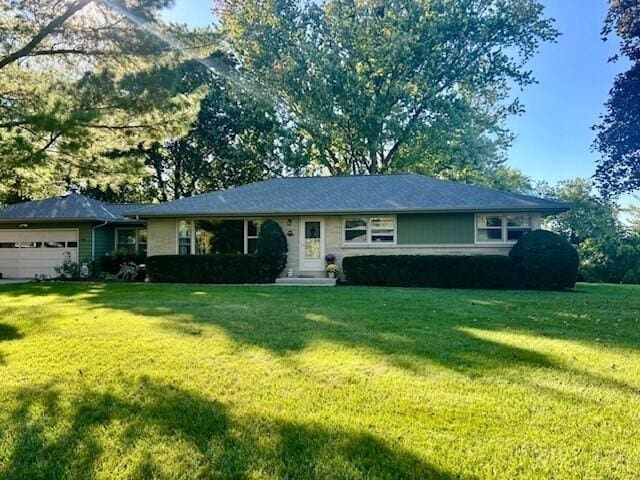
[27, 253]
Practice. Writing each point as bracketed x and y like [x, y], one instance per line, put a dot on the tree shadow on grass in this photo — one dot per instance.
[410, 328]
[8, 333]
[50, 434]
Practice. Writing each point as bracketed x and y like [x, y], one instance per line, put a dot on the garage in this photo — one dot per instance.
[27, 253]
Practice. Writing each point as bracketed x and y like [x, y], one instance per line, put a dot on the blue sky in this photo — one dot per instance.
[554, 135]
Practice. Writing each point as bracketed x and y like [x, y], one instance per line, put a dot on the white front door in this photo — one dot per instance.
[25, 253]
[311, 244]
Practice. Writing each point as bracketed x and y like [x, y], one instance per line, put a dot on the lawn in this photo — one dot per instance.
[163, 381]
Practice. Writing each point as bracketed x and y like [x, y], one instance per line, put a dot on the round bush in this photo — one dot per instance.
[545, 261]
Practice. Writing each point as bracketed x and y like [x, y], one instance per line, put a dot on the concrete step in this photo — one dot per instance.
[307, 281]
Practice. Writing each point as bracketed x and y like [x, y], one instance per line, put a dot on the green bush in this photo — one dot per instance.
[632, 277]
[545, 261]
[272, 250]
[219, 268]
[438, 271]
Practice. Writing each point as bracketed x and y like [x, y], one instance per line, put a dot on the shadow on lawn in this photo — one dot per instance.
[48, 435]
[7, 333]
[410, 328]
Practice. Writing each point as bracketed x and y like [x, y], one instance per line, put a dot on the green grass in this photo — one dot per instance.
[163, 381]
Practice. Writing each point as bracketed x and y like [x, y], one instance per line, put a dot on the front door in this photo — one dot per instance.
[311, 243]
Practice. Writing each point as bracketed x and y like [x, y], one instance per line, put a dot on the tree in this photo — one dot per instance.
[618, 134]
[377, 86]
[235, 139]
[76, 78]
[607, 249]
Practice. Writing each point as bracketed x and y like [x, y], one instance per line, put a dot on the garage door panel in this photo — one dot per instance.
[42, 251]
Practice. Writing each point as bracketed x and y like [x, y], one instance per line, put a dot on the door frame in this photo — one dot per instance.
[301, 229]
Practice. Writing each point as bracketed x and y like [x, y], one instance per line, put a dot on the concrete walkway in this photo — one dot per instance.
[7, 281]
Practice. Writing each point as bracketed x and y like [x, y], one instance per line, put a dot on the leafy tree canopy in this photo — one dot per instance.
[78, 77]
[377, 86]
[618, 134]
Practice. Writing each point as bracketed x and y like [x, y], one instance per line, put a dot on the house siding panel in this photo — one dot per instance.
[104, 242]
[435, 229]
[161, 236]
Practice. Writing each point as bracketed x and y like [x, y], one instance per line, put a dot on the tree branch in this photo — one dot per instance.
[44, 32]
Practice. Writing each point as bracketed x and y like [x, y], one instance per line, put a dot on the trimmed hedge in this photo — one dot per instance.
[545, 261]
[220, 268]
[438, 271]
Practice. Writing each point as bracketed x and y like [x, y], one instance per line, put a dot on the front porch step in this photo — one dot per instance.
[307, 281]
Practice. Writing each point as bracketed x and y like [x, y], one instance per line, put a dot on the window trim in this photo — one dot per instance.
[136, 244]
[369, 242]
[504, 229]
[192, 221]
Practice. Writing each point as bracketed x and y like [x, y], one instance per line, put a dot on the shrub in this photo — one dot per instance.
[438, 271]
[632, 277]
[545, 261]
[219, 268]
[272, 250]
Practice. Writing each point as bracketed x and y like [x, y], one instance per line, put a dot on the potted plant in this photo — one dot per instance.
[332, 269]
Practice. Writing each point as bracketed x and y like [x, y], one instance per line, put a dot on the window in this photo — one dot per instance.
[251, 236]
[217, 236]
[131, 240]
[355, 230]
[366, 230]
[185, 233]
[126, 240]
[497, 228]
[489, 228]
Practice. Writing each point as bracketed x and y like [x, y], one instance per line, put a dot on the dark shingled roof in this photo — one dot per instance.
[74, 207]
[351, 194]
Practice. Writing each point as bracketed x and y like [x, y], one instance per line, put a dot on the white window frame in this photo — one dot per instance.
[193, 221]
[369, 242]
[504, 228]
[137, 230]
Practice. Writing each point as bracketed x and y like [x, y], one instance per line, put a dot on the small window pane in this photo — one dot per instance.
[519, 221]
[184, 237]
[184, 229]
[489, 221]
[489, 235]
[252, 228]
[127, 237]
[355, 223]
[252, 245]
[355, 236]
[382, 222]
[312, 230]
[382, 236]
[31, 244]
[142, 236]
[72, 244]
[54, 244]
[8, 245]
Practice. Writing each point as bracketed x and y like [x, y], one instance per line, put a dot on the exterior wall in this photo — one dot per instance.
[417, 234]
[161, 236]
[84, 234]
[104, 241]
[452, 231]
[436, 228]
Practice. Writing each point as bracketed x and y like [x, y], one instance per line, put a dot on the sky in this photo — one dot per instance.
[554, 135]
